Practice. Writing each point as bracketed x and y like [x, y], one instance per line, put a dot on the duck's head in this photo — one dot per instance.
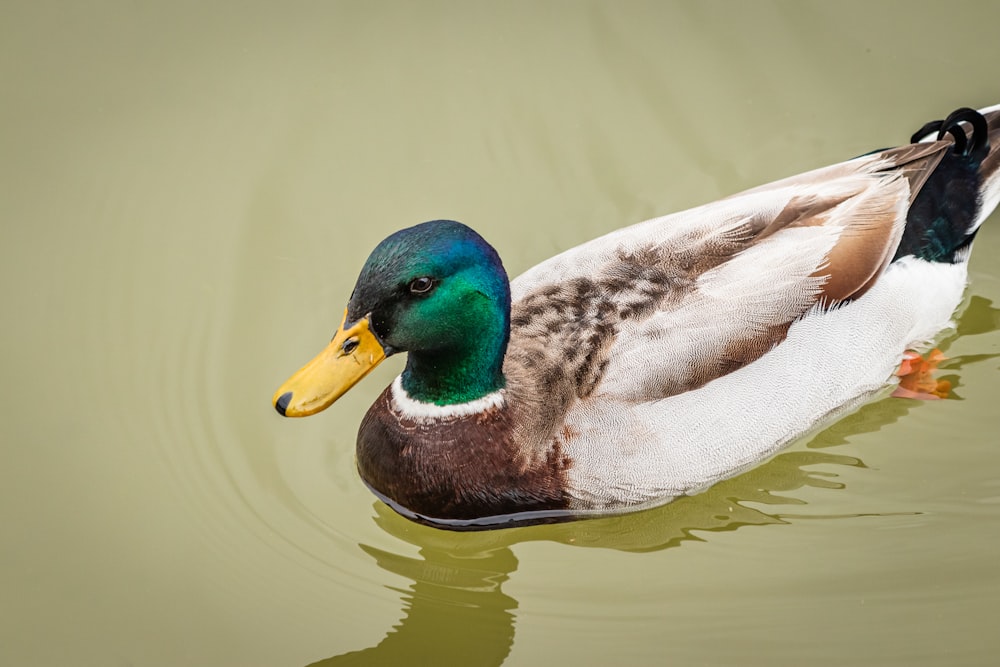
[437, 291]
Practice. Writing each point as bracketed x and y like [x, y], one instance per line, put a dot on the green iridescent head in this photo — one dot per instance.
[437, 291]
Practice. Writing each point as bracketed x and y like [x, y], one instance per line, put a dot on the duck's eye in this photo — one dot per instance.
[421, 285]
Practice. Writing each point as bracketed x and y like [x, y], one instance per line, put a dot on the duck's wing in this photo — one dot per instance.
[668, 305]
[666, 356]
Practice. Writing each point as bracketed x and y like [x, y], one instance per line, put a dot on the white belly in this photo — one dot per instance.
[829, 363]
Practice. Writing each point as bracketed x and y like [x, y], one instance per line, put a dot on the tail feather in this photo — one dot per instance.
[961, 192]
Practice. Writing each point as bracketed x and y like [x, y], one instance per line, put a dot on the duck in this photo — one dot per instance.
[656, 360]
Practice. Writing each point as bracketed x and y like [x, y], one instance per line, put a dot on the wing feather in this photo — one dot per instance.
[668, 305]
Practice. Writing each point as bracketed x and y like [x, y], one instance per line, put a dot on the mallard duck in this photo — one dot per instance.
[659, 359]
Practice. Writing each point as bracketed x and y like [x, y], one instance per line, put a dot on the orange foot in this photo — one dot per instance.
[916, 377]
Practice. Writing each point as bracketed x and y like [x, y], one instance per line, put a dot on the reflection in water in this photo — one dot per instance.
[979, 317]
[455, 612]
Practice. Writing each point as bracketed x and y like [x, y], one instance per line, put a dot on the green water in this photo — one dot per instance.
[188, 191]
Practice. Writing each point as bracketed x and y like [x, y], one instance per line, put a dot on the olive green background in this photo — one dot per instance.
[187, 191]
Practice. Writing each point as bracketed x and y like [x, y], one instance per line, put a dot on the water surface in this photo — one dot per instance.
[189, 191]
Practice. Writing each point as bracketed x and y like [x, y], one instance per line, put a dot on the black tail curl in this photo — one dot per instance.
[976, 148]
[940, 224]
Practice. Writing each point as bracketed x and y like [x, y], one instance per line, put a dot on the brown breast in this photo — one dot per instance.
[460, 468]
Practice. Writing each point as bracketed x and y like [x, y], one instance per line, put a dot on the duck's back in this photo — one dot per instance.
[671, 354]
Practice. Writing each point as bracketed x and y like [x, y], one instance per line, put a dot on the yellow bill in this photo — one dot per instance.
[350, 356]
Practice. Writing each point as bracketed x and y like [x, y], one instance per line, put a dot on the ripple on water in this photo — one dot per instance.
[163, 336]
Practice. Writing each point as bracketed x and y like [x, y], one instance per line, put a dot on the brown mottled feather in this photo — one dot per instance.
[563, 335]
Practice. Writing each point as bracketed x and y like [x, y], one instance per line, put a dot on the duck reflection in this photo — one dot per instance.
[455, 611]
